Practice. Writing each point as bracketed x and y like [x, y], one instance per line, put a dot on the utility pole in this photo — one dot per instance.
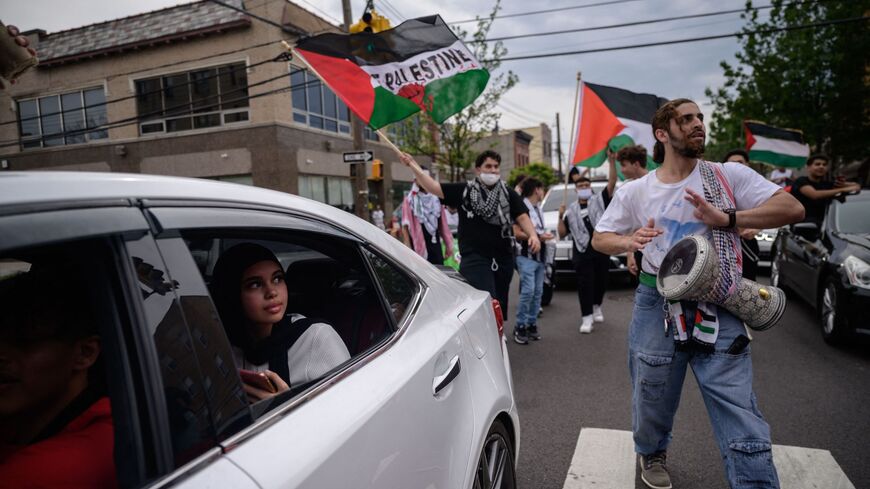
[359, 182]
[559, 144]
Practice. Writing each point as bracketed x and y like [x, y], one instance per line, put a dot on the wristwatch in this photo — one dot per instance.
[732, 218]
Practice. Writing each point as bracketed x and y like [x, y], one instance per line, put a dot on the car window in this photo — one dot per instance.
[398, 288]
[61, 394]
[324, 308]
[853, 216]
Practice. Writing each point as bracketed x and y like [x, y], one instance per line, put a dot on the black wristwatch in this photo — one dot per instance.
[732, 218]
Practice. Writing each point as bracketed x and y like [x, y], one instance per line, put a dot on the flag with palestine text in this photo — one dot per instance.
[775, 146]
[385, 77]
[614, 117]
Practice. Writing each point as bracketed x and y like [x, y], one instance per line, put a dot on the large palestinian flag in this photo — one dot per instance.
[615, 117]
[775, 146]
[385, 77]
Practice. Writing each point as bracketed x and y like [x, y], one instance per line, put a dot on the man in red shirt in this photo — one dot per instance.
[55, 421]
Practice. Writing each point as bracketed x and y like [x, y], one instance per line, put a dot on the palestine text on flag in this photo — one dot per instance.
[606, 112]
[775, 146]
[385, 77]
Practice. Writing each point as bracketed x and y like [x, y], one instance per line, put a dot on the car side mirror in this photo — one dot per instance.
[807, 230]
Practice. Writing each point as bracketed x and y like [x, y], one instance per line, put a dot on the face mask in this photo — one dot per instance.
[584, 193]
[489, 179]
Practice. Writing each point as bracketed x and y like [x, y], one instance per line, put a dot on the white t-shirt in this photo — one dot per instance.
[647, 197]
[780, 174]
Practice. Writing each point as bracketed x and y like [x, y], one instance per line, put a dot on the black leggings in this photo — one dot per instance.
[591, 269]
[477, 269]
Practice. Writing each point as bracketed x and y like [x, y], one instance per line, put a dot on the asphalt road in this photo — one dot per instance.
[813, 395]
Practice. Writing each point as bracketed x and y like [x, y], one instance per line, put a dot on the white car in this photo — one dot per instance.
[565, 247]
[426, 399]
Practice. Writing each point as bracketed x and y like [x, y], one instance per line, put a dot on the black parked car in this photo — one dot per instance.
[829, 266]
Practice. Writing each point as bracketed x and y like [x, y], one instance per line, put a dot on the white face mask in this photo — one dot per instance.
[489, 179]
[584, 193]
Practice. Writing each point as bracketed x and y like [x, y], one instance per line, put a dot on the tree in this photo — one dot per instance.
[451, 144]
[813, 79]
[541, 171]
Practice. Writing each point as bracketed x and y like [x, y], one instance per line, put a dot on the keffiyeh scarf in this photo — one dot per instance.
[491, 204]
[427, 209]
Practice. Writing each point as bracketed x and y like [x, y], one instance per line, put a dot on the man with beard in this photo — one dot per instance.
[652, 214]
[487, 211]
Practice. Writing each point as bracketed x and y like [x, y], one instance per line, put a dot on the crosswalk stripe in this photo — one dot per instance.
[605, 459]
[808, 468]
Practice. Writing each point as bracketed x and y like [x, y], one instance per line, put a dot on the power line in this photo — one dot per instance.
[315, 7]
[536, 12]
[394, 10]
[260, 18]
[615, 26]
[695, 39]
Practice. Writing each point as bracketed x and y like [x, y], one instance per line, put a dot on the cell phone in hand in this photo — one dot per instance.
[259, 380]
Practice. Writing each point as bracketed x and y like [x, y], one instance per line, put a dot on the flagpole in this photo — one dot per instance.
[573, 137]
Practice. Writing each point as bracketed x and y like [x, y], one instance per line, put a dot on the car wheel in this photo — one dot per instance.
[547, 295]
[495, 466]
[833, 329]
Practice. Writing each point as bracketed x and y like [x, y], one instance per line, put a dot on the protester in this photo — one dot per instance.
[487, 211]
[590, 266]
[378, 217]
[781, 176]
[652, 214]
[56, 425]
[748, 242]
[531, 265]
[424, 225]
[632, 163]
[815, 192]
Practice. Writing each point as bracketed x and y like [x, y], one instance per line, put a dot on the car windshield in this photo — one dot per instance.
[853, 216]
[554, 199]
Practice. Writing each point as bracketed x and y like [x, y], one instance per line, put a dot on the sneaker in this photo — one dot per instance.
[586, 325]
[533, 332]
[540, 311]
[597, 315]
[654, 471]
[520, 335]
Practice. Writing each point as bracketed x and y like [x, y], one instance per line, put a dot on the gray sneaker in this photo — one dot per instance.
[654, 470]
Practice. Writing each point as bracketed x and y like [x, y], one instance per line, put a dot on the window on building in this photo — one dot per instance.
[209, 97]
[335, 191]
[58, 120]
[315, 105]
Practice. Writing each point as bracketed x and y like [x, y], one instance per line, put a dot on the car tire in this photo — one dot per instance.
[833, 326]
[547, 295]
[495, 465]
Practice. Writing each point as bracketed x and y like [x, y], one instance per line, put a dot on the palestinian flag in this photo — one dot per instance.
[612, 117]
[775, 146]
[387, 76]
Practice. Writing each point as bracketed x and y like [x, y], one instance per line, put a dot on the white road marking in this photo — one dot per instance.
[605, 459]
[800, 468]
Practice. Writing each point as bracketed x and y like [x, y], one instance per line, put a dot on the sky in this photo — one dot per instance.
[546, 85]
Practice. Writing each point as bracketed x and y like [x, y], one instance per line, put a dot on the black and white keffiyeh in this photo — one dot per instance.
[490, 204]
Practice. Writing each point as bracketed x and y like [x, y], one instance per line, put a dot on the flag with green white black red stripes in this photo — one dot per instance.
[775, 146]
[390, 75]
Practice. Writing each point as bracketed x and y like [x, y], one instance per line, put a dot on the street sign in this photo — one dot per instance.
[358, 156]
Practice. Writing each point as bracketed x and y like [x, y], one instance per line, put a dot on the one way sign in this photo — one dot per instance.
[358, 156]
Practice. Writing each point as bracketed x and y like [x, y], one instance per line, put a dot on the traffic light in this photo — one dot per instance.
[377, 170]
[371, 22]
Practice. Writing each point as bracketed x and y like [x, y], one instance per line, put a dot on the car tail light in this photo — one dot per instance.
[499, 318]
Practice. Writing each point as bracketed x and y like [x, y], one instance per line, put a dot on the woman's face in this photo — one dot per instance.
[264, 293]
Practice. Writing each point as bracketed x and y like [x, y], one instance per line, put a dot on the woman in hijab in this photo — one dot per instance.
[251, 297]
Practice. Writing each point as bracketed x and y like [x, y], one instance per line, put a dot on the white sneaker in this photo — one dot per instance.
[586, 325]
[597, 315]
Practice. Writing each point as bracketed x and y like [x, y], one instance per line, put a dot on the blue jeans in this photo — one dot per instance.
[657, 374]
[531, 290]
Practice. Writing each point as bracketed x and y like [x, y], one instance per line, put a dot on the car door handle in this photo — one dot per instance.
[442, 381]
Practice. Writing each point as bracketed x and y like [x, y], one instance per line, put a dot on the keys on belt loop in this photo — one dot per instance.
[667, 317]
[494, 266]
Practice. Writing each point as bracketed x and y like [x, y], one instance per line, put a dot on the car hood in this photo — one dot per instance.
[857, 245]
